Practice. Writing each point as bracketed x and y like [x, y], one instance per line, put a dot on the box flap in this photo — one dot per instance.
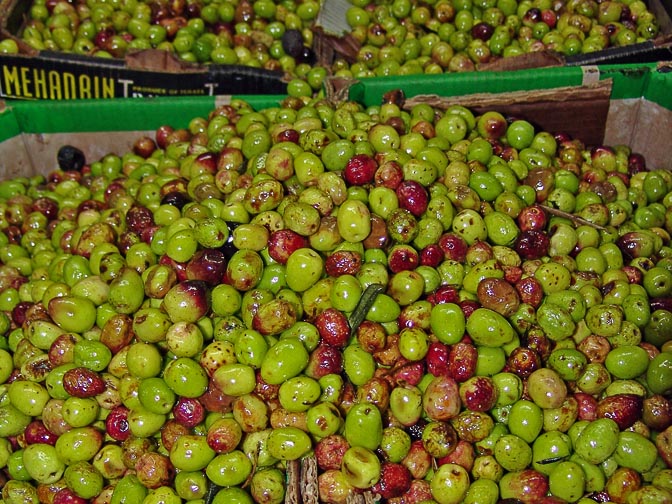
[579, 111]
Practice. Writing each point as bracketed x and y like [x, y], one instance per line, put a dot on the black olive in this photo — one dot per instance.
[176, 198]
[306, 56]
[292, 43]
[70, 158]
[415, 430]
[228, 249]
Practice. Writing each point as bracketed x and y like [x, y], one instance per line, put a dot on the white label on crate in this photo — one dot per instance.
[591, 75]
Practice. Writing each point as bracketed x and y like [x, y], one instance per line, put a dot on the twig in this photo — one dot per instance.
[365, 304]
[574, 218]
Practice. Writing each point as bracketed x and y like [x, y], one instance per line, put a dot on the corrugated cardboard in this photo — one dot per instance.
[48, 75]
[629, 105]
[638, 112]
[58, 76]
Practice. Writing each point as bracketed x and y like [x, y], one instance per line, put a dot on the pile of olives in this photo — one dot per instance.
[422, 305]
[401, 37]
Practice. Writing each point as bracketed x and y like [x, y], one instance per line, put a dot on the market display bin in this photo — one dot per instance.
[629, 105]
[38, 75]
[51, 75]
[614, 104]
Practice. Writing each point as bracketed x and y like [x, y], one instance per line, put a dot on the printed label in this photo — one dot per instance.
[52, 79]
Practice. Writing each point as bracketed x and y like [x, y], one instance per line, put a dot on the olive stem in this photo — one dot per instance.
[550, 460]
[573, 218]
[359, 313]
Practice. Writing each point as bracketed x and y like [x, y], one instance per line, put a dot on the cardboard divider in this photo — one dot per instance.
[591, 103]
[650, 135]
[41, 150]
[629, 80]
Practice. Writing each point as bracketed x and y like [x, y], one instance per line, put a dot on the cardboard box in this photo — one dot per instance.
[659, 49]
[332, 36]
[59, 76]
[51, 75]
[31, 132]
[55, 76]
[629, 105]
[636, 111]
